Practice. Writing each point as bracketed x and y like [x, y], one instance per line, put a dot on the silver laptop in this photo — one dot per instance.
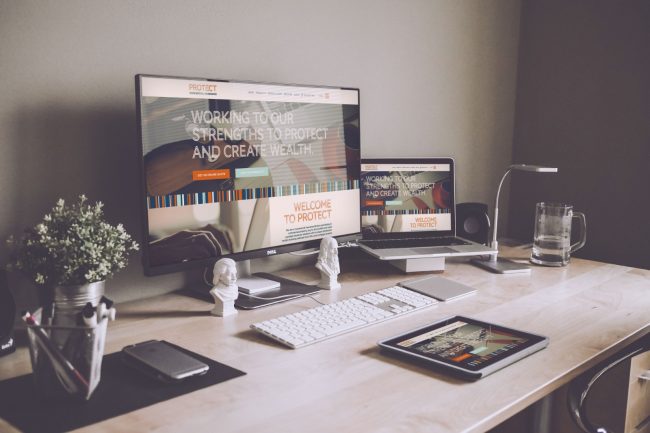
[408, 210]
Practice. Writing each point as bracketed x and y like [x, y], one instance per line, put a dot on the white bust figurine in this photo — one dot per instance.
[328, 264]
[225, 290]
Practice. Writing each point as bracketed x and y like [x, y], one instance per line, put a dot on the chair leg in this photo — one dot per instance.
[542, 411]
[579, 390]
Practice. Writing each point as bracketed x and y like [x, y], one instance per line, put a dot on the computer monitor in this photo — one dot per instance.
[244, 170]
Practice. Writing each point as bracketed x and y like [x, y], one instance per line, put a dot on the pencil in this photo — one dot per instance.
[67, 372]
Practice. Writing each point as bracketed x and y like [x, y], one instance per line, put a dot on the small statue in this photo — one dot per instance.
[328, 264]
[225, 289]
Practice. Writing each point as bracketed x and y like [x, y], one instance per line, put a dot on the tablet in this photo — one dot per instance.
[467, 347]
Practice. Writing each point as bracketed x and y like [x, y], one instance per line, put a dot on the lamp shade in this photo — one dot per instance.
[535, 168]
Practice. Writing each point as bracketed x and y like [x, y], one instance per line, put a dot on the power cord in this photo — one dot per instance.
[302, 253]
[294, 295]
[346, 244]
[205, 278]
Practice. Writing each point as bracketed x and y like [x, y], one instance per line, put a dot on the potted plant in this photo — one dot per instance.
[70, 254]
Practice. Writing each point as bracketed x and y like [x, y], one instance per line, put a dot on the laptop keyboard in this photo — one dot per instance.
[413, 242]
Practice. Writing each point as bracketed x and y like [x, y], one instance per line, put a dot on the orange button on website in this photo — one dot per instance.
[374, 203]
[211, 174]
[461, 357]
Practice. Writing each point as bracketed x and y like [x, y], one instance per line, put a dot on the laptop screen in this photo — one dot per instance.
[407, 196]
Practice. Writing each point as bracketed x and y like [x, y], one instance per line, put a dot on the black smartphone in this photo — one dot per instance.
[163, 360]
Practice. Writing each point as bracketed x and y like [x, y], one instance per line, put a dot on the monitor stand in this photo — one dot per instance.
[284, 291]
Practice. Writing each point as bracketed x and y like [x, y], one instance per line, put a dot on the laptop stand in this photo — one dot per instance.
[426, 264]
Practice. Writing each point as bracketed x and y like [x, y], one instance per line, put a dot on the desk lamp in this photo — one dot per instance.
[494, 263]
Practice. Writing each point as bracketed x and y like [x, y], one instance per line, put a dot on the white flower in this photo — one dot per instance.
[72, 245]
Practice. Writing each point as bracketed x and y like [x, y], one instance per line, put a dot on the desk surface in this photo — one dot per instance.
[589, 310]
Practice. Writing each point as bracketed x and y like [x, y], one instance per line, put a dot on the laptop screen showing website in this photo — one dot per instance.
[407, 196]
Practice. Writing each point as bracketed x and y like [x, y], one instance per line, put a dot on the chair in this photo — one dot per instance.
[579, 388]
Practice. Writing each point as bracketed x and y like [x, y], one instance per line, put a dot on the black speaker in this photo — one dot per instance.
[473, 222]
[7, 316]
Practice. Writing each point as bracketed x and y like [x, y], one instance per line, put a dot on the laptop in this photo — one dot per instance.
[408, 210]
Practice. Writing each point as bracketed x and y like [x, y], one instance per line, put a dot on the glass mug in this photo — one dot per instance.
[552, 240]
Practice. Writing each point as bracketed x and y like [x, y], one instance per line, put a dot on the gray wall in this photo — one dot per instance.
[437, 78]
[583, 105]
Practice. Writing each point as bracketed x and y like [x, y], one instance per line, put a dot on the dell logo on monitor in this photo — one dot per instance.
[271, 252]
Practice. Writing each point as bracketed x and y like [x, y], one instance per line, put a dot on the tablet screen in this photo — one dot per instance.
[465, 343]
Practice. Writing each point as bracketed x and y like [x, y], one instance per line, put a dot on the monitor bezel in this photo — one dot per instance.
[150, 270]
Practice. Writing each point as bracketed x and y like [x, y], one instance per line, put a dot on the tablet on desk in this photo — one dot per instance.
[465, 346]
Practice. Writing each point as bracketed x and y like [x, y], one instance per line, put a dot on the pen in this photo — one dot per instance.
[67, 372]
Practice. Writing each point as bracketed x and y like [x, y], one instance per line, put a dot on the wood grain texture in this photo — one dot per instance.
[589, 310]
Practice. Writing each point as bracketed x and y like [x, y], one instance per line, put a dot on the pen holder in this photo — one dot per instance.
[67, 360]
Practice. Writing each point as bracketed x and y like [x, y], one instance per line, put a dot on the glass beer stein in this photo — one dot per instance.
[552, 239]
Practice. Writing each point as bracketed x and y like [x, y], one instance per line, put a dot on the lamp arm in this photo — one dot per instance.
[495, 243]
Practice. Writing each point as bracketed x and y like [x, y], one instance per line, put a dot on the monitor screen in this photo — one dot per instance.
[244, 170]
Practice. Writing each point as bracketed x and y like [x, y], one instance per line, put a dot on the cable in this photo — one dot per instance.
[314, 299]
[205, 280]
[309, 253]
[293, 295]
[346, 244]
[269, 298]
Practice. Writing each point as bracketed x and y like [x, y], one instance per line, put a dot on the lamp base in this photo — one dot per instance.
[501, 266]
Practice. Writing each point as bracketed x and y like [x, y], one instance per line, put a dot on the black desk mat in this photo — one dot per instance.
[121, 390]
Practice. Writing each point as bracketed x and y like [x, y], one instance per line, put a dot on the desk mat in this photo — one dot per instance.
[121, 390]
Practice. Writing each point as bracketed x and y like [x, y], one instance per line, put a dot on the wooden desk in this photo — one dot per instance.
[589, 310]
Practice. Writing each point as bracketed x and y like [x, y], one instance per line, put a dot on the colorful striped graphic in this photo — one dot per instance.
[405, 212]
[171, 200]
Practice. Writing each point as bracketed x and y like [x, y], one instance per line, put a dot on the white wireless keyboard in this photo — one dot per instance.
[319, 323]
